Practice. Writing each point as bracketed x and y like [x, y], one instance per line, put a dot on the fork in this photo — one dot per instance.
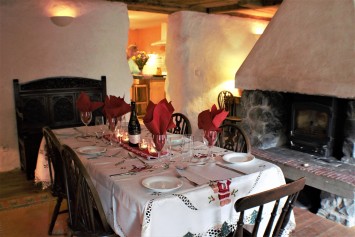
[120, 162]
[114, 154]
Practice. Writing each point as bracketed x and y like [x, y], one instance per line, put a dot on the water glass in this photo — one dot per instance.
[188, 144]
[175, 143]
[111, 123]
[100, 122]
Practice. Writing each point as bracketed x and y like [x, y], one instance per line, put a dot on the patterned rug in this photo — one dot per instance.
[16, 191]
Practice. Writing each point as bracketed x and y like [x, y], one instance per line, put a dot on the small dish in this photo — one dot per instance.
[91, 150]
[238, 157]
[162, 183]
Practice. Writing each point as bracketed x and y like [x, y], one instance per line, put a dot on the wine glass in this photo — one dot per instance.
[210, 138]
[158, 143]
[111, 123]
[86, 117]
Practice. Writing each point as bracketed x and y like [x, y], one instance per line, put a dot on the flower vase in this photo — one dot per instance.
[140, 70]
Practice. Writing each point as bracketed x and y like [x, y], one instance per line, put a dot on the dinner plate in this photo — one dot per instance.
[91, 150]
[238, 157]
[162, 183]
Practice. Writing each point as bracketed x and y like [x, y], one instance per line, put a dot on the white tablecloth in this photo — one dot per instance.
[205, 210]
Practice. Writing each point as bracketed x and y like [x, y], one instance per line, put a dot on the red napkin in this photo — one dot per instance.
[211, 120]
[115, 106]
[84, 104]
[158, 117]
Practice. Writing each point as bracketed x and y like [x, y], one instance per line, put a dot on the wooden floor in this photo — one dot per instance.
[32, 219]
[309, 224]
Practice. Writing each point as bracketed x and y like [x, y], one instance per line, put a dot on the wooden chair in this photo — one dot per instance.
[290, 191]
[56, 173]
[223, 97]
[228, 102]
[234, 138]
[183, 125]
[86, 214]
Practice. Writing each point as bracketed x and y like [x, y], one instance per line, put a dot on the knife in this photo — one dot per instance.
[229, 168]
[124, 173]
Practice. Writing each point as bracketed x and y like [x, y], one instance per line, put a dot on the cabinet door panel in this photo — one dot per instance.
[62, 110]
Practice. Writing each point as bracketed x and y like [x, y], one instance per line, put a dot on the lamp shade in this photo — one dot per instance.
[62, 20]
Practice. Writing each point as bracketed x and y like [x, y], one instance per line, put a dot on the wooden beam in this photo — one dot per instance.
[225, 8]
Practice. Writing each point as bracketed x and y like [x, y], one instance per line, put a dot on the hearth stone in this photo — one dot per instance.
[338, 209]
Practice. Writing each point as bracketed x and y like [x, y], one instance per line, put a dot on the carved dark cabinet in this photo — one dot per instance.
[49, 102]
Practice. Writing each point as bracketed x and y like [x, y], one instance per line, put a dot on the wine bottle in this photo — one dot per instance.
[134, 128]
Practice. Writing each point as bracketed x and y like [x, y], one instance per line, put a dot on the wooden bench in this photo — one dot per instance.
[49, 102]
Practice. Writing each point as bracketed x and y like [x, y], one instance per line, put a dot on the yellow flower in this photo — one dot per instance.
[140, 59]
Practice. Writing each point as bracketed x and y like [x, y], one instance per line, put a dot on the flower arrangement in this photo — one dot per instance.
[140, 59]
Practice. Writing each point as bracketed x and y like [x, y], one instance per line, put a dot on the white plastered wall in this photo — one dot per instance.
[203, 54]
[32, 47]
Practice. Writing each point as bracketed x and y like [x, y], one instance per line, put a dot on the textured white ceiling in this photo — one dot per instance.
[140, 20]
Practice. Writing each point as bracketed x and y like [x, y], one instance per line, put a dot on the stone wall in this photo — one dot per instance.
[334, 207]
[349, 143]
[264, 116]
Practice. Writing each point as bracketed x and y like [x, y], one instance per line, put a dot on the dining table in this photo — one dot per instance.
[180, 194]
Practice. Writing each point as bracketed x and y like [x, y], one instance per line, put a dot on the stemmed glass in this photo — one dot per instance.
[111, 123]
[210, 138]
[119, 121]
[158, 143]
[86, 117]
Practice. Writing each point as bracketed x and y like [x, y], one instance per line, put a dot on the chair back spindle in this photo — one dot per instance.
[233, 137]
[289, 191]
[183, 125]
[87, 214]
[223, 98]
[55, 166]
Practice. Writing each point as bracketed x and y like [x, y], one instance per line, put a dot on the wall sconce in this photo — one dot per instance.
[62, 20]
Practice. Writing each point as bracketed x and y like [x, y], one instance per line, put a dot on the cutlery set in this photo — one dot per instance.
[180, 169]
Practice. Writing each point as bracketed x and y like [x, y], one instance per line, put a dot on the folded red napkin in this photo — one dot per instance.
[115, 106]
[211, 120]
[158, 117]
[84, 104]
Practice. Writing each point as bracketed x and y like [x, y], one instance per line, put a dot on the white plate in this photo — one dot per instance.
[162, 183]
[91, 150]
[238, 157]
[65, 132]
